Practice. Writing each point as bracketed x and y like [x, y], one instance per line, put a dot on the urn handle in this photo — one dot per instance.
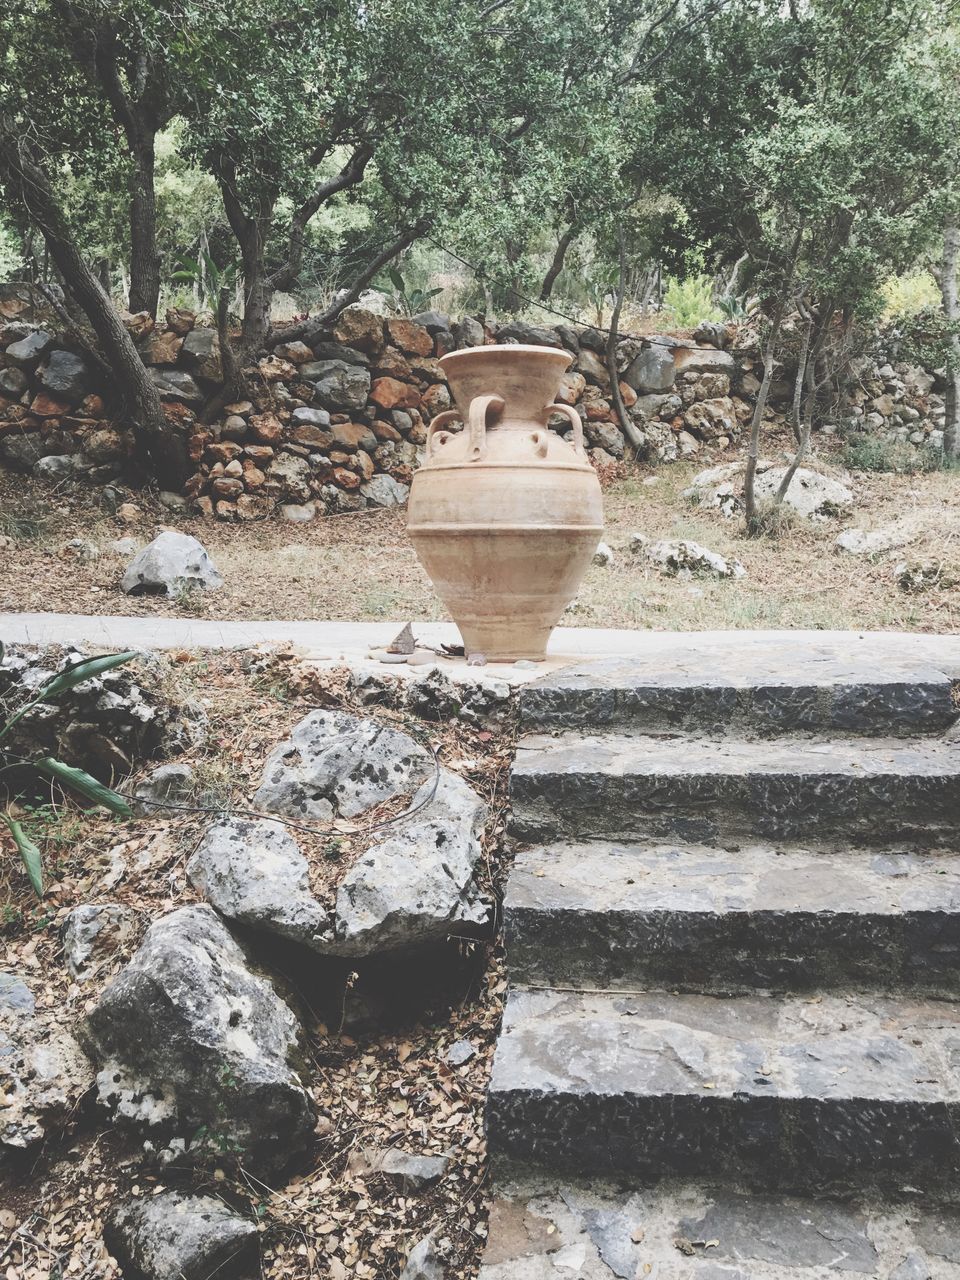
[568, 411]
[481, 408]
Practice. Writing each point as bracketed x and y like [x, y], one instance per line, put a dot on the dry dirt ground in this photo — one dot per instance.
[333, 1218]
[361, 566]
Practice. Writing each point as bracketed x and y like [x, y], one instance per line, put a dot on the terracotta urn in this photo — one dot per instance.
[504, 513]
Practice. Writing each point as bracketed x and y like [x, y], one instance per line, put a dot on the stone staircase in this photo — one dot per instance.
[731, 1047]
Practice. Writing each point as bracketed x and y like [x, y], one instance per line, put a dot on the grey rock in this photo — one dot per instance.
[80, 549]
[529, 334]
[172, 501]
[913, 1267]
[92, 934]
[305, 417]
[190, 1036]
[680, 557]
[15, 995]
[177, 384]
[201, 352]
[861, 542]
[252, 871]
[593, 367]
[424, 1261]
[56, 467]
[334, 351]
[339, 386]
[172, 1236]
[171, 563]
[419, 884]
[23, 450]
[411, 888]
[811, 494]
[603, 556]
[298, 513]
[31, 348]
[170, 782]
[66, 376]
[703, 360]
[469, 333]
[123, 546]
[460, 1052]
[44, 1071]
[434, 322]
[337, 764]
[413, 1172]
[434, 696]
[13, 382]
[383, 491]
[763, 1230]
[651, 372]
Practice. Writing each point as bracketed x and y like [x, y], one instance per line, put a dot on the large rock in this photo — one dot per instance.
[24, 449]
[415, 885]
[383, 491]
[30, 348]
[176, 384]
[419, 884]
[651, 371]
[189, 1037]
[872, 542]
[201, 353]
[66, 376]
[339, 386]
[703, 360]
[711, 419]
[43, 1071]
[334, 764]
[171, 563]
[680, 557]
[172, 1236]
[811, 494]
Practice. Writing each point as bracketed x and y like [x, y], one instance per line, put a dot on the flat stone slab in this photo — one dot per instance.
[545, 1230]
[771, 689]
[698, 918]
[616, 785]
[784, 1093]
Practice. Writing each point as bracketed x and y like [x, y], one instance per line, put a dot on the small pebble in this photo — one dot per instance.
[460, 1052]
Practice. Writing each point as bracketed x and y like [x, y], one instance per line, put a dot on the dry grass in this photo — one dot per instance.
[361, 566]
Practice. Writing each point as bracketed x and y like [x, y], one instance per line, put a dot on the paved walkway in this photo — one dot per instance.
[352, 641]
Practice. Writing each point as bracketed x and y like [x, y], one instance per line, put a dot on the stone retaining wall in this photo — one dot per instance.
[341, 424]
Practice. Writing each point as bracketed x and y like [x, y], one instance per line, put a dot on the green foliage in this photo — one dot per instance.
[909, 294]
[406, 298]
[872, 453]
[72, 779]
[690, 301]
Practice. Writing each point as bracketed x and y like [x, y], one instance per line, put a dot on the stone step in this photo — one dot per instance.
[762, 689]
[697, 918]
[779, 1093]
[622, 786]
[545, 1229]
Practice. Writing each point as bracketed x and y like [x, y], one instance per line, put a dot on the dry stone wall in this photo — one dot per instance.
[340, 425]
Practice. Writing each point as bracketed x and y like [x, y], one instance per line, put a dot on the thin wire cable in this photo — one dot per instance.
[481, 274]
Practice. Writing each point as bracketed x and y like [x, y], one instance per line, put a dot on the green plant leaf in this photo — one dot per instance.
[29, 853]
[398, 281]
[80, 780]
[85, 669]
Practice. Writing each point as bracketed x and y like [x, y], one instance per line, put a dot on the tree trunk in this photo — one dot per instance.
[627, 425]
[753, 448]
[951, 311]
[144, 258]
[158, 442]
[556, 266]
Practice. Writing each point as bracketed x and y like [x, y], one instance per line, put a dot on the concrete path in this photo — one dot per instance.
[353, 640]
